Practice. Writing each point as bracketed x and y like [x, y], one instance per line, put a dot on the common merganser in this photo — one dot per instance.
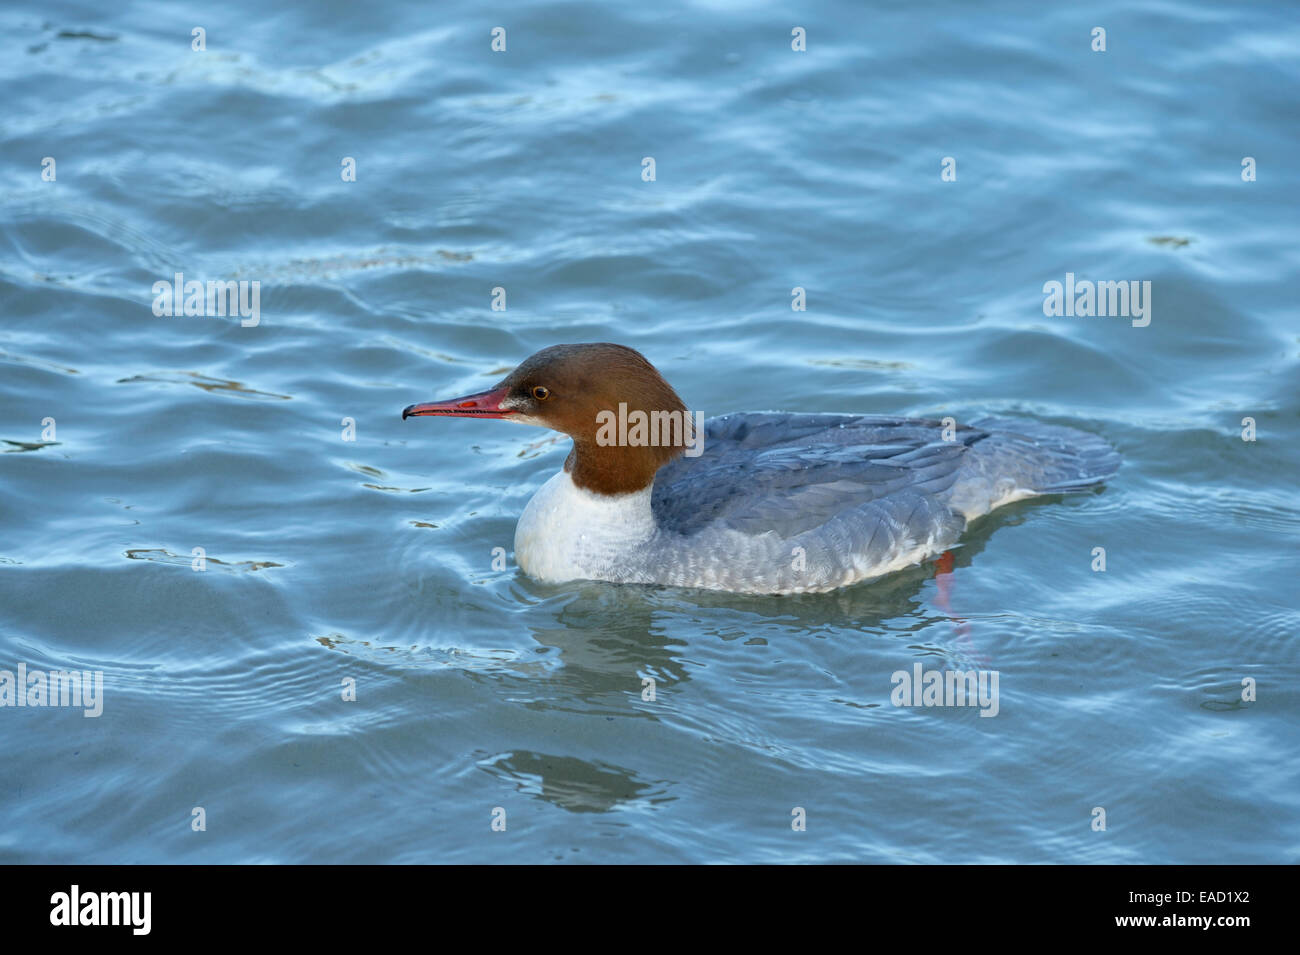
[762, 502]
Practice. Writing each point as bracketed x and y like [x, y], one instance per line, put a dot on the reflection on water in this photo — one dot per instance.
[163, 556]
[575, 784]
[20, 446]
[207, 383]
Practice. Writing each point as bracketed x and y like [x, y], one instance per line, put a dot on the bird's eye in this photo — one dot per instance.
[541, 392]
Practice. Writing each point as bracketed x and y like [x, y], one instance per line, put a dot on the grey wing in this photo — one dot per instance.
[812, 502]
[847, 476]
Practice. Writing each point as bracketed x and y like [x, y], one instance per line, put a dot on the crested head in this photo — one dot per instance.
[589, 392]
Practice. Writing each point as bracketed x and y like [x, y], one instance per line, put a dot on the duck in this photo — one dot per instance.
[754, 502]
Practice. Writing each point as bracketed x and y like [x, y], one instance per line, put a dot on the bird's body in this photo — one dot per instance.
[772, 503]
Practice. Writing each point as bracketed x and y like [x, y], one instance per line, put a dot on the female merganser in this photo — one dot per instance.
[760, 502]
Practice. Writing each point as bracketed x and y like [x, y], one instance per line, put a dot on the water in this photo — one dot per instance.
[372, 560]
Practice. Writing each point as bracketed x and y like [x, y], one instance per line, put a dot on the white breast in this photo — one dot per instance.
[568, 533]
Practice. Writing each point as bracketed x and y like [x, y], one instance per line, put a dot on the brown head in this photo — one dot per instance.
[577, 389]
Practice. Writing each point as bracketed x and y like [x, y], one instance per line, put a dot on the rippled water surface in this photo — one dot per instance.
[372, 560]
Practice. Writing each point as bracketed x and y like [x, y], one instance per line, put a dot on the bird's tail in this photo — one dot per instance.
[1050, 458]
[1022, 458]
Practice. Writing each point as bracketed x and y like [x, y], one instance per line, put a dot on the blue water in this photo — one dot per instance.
[372, 560]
